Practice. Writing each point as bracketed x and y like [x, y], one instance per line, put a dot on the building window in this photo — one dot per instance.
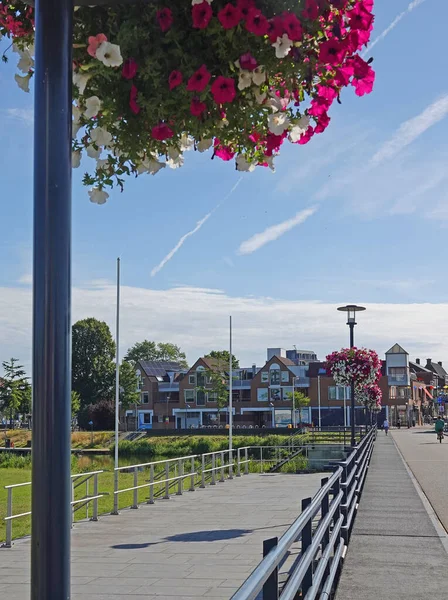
[264, 377]
[201, 378]
[262, 394]
[245, 395]
[212, 397]
[398, 373]
[189, 395]
[145, 398]
[276, 394]
[287, 394]
[200, 398]
[192, 379]
[274, 376]
[236, 395]
[338, 392]
[285, 376]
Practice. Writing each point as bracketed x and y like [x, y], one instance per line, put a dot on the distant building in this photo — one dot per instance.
[298, 357]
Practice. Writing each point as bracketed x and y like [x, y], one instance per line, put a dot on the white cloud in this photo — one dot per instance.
[392, 26]
[26, 115]
[26, 279]
[410, 130]
[197, 320]
[184, 238]
[275, 231]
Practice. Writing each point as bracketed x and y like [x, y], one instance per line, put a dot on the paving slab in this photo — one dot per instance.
[395, 551]
[198, 545]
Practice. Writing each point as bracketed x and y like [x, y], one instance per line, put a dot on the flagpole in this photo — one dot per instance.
[230, 394]
[117, 385]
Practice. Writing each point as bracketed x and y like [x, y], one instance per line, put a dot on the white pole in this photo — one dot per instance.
[117, 366]
[345, 409]
[318, 400]
[230, 393]
[293, 403]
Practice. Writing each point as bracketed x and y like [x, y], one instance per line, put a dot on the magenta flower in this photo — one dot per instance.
[223, 152]
[360, 17]
[175, 79]
[94, 42]
[202, 14]
[130, 68]
[133, 100]
[332, 52]
[199, 80]
[229, 16]
[293, 27]
[256, 22]
[223, 90]
[162, 132]
[165, 18]
[197, 108]
[248, 62]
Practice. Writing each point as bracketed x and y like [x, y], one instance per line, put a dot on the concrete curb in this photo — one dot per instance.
[440, 529]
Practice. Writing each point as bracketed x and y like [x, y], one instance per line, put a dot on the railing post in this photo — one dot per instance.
[192, 474]
[270, 588]
[180, 481]
[238, 463]
[151, 485]
[325, 507]
[230, 464]
[167, 483]
[261, 459]
[116, 473]
[343, 481]
[307, 538]
[9, 521]
[95, 502]
[222, 467]
[203, 471]
[135, 505]
[72, 506]
[246, 459]
[213, 482]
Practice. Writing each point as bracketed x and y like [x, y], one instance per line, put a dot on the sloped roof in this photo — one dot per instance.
[438, 369]
[159, 368]
[418, 367]
[397, 349]
[286, 361]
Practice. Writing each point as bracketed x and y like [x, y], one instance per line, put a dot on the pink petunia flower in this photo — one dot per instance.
[175, 79]
[199, 80]
[197, 108]
[275, 29]
[293, 27]
[332, 52]
[165, 18]
[133, 100]
[130, 68]
[223, 152]
[162, 132]
[360, 18]
[202, 14]
[94, 42]
[223, 90]
[248, 62]
[244, 7]
[229, 16]
[256, 22]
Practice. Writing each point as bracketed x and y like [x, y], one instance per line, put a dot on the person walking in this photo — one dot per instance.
[386, 426]
[439, 427]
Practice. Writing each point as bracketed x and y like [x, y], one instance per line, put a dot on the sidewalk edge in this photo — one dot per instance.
[440, 529]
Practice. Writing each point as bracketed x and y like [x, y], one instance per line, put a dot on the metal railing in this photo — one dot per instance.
[77, 480]
[323, 528]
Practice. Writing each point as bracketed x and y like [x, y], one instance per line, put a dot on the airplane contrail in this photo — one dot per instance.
[185, 237]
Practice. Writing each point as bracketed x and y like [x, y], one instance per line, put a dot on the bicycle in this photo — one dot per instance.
[440, 436]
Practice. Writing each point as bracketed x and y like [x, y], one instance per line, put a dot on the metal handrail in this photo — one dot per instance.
[85, 501]
[330, 536]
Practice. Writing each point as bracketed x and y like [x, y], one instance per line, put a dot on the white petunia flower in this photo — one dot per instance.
[93, 106]
[193, 2]
[100, 136]
[260, 97]
[278, 122]
[76, 158]
[277, 103]
[299, 129]
[109, 54]
[186, 142]
[174, 153]
[204, 145]
[23, 82]
[175, 163]
[270, 161]
[26, 62]
[244, 80]
[98, 196]
[242, 164]
[282, 46]
[76, 125]
[80, 80]
[92, 152]
[102, 163]
[259, 75]
[154, 166]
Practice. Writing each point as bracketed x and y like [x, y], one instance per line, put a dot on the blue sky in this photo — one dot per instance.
[373, 188]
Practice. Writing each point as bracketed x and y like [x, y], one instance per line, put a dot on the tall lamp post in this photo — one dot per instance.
[351, 310]
[294, 421]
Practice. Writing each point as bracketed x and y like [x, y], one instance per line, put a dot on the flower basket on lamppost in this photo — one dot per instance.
[132, 86]
[370, 397]
[237, 79]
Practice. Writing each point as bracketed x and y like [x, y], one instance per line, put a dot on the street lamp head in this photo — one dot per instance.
[351, 310]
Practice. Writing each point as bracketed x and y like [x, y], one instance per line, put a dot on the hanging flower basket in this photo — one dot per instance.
[358, 365]
[370, 396]
[238, 78]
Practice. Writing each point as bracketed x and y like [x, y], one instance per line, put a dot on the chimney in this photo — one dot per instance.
[417, 360]
[428, 362]
[440, 363]
[254, 370]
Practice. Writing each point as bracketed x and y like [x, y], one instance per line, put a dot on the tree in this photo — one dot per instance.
[300, 401]
[76, 404]
[148, 350]
[93, 369]
[14, 389]
[26, 400]
[217, 384]
[223, 358]
[101, 414]
[129, 392]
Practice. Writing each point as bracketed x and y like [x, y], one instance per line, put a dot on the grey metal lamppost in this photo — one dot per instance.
[351, 310]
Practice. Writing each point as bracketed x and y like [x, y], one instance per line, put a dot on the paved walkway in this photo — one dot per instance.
[395, 551]
[428, 460]
[199, 545]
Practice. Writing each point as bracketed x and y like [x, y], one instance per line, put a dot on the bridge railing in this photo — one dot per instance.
[323, 528]
[78, 480]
